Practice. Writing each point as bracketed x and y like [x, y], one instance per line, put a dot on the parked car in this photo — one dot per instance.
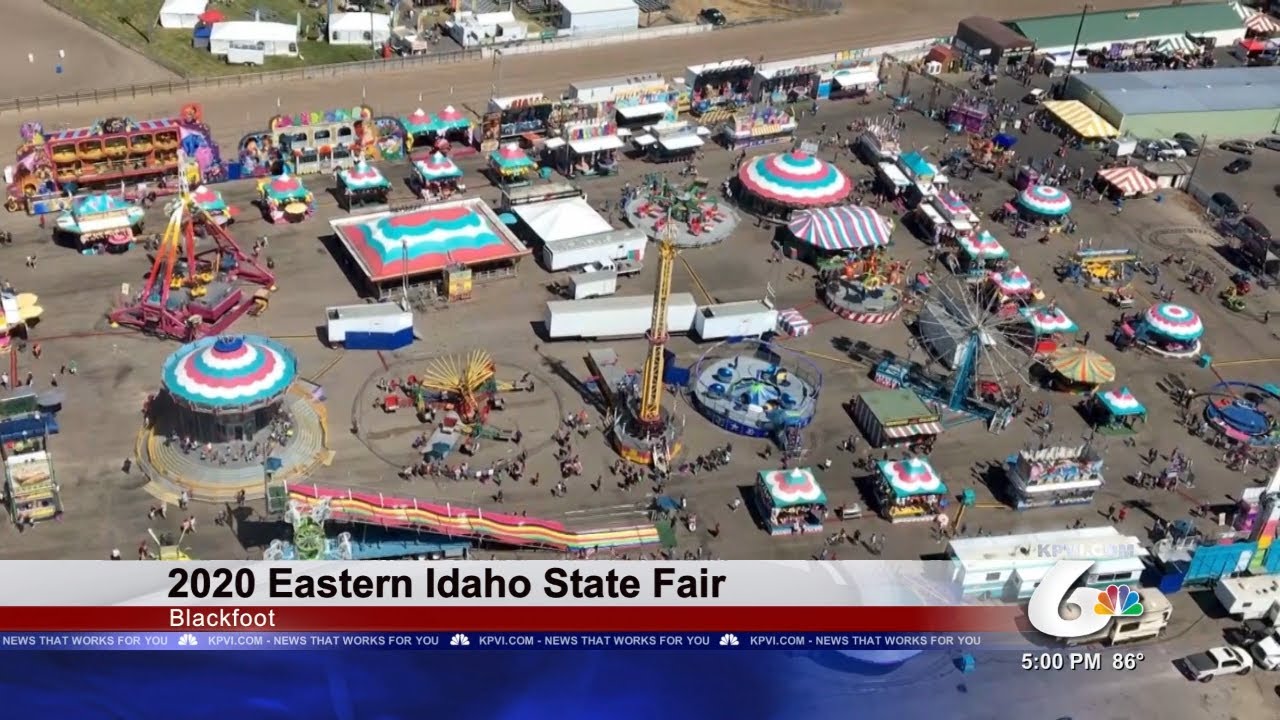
[1223, 205]
[713, 16]
[1189, 144]
[1225, 660]
[1173, 148]
[1270, 143]
[1034, 97]
[1239, 165]
[1244, 147]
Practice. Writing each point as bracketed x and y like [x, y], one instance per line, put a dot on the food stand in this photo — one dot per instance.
[1116, 412]
[956, 211]
[285, 199]
[363, 185]
[758, 126]
[1046, 328]
[511, 166]
[790, 501]
[922, 173]
[591, 148]
[1053, 476]
[1010, 288]
[895, 418]
[100, 221]
[437, 177]
[1078, 369]
[910, 490]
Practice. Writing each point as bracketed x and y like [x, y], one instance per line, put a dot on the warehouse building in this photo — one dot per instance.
[991, 42]
[1220, 102]
[1222, 22]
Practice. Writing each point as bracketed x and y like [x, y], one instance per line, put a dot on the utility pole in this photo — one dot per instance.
[1204, 139]
[1075, 47]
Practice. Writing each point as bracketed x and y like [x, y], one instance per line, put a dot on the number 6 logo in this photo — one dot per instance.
[1051, 594]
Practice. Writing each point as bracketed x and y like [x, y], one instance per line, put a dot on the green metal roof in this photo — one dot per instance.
[895, 406]
[1117, 25]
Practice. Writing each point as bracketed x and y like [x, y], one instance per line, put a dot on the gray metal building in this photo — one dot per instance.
[1219, 102]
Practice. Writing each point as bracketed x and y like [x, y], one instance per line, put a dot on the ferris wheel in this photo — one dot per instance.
[966, 331]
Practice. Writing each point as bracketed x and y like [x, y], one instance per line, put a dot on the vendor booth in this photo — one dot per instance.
[641, 115]
[1053, 476]
[896, 418]
[891, 181]
[1080, 119]
[437, 132]
[853, 81]
[1125, 182]
[774, 185]
[790, 501]
[910, 490]
[437, 178]
[676, 144]
[1078, 369]
[1045, 329]
[100, 222]
[787, 81]
[922, 173]
[712, 85]
[591, 148]
[285, 199]
[764, 125]
[523, 116]
[980, 254]
[955, 210]
[1166, 329]
[511, 166]
[1115, 412]
[1043, 203]
[968, 116]
[362, 185]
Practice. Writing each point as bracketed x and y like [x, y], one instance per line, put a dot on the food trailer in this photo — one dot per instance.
[1052, 476]
[895, 418]
[790, 501]
[910, 490]
[758, 126]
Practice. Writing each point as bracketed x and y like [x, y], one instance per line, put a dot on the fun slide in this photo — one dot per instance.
[411, 513]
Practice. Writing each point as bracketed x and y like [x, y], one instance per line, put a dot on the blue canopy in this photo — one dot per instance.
[1004, 141]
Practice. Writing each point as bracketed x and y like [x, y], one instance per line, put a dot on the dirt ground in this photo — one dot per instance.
[91, 60]
[734, 10]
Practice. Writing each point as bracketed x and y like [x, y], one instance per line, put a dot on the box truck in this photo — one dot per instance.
[751, 318]
[614, 317]
[377, 326]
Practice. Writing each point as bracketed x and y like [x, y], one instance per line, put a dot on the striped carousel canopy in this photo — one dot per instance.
[227, 372]
[1176, 322]
[795, 179]
[911, 477]
[982, 246]
[1045, 200]
[840, 228]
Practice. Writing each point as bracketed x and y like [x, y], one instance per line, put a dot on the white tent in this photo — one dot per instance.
[181, 13]
[556, 220]
[271, 38]
[359, 28]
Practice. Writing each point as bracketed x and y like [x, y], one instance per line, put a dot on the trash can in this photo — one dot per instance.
[1205, 360]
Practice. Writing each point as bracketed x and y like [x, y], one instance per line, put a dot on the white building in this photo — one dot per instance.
[359, 28]
[271, 38]
[475, 29]
[1009, 567]
[181, 13]
[599, 17]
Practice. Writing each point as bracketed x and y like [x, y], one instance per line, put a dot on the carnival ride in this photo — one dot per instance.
[865, 288]
[98, 221]
[110, 153]
[507, 529]
[991, 154]
[190, 293]
[1169, 330]
[466, 389]
[756, 389]
[1103, 270]
[693, 215]
[18, 312]
[284, 199]
[1244, 412]
[795, 180]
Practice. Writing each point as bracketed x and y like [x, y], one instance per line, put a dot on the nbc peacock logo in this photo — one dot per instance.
[1118, 600]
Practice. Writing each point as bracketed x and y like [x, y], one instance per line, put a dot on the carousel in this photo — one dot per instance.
[437, 178]
[363, 184]
[865, 289]
[511, 166]
[756, 389]
[980, 254]
[1115, 412]
[285, 199]
[910, 490]
[790, 501]
[1043, 204]
[210, 202]
[100, 222]
[230, 404]
[776, 185]
[1076, 369]
[1045, 329]
[689, 215]
[1173, 331]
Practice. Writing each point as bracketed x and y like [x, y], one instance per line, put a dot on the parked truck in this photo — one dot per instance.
[1225, 660]
[616, 317]
[751, 318]
[622, 268]
[593, 283]
[376, 326]
[1248, 598]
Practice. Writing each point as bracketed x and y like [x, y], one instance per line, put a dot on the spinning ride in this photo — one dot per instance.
[362, 184]
[797, 180]
[1245, 412]
[1170, 330]
[1044, 202]
[437, 177]
[688, 214]
[866, 289]
[467, 386]
[285, 199]
[1103, 270]
[756, 389]
[190, 293]
[100, 221]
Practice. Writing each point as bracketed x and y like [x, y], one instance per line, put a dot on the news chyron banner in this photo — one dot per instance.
[530, 604]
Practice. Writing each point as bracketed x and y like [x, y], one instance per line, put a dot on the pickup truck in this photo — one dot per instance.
[1266, 652]
[621, 267]
[1225, 660]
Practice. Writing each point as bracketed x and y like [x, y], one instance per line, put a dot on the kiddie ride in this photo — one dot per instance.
[1233, 298]
[465, 390]
[190, 293]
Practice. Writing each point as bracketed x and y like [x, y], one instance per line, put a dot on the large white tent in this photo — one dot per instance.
[359, 28]
[556, 220]
[182, 13]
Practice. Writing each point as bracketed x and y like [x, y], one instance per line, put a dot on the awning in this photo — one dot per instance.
[1181, 44]
[1080, 119]
[1128, 180]
[596, 144]
[862, 77]
[643, 110]
[684, 141]
[1252, 46]
[1261, 24]
[913, 430]
[840, 228]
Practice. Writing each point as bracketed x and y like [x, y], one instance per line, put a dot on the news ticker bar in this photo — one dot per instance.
[471, 641]
[538, 618]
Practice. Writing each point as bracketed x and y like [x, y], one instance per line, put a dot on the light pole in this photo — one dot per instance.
[1204, 139]
[1075, 47]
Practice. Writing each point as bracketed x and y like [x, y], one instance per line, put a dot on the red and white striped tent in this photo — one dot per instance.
[1129, 181]
[1262, 24]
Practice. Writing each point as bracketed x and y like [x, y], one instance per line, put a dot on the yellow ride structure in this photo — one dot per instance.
[467, 381]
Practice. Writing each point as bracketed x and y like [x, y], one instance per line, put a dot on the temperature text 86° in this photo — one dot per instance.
[1084, 661]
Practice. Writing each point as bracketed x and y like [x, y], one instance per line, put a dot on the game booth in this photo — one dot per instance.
[591, 148]
[437, 178]
[787, 81]
[688, 214]
[1170, 330]
[980, 255]
[759, 126]
[1009, 289]
[960, 220]
[896, 418]
[99, 222]
[1053, 476]
[968, 116]
[1043, 204]
[520, 117]
[1115, 412]
[363, 185]
[848, 82]
[439, 132]
[1044, 329]
[210, 202]
[790, 501]
[511, 166]
[1078, 370]
[776, 185]
[910, 490]
[1125, 182]
[310, 142]
[285, 199]
[717, 84]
